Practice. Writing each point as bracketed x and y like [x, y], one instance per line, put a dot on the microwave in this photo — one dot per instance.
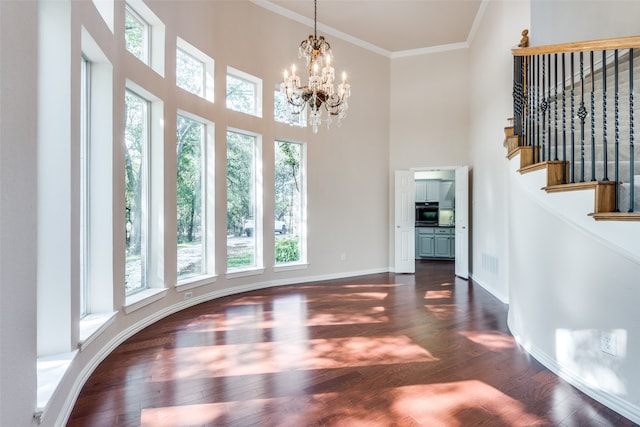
[427, 213]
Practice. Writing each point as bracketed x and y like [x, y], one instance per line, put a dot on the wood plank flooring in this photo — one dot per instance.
[378, 350]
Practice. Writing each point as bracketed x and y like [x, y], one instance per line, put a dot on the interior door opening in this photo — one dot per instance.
[418, 191]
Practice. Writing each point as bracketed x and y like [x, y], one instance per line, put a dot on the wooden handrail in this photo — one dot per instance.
[603, 44]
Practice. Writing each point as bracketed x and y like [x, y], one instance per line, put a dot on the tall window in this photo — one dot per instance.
[244, 92]
[137, 191]
[85, 84]
[137, 34]
[289, 206]
[191, 220]
[243, 220]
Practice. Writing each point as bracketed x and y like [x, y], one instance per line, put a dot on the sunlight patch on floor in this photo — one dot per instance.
[442, 311]
[450, 404]
[252, 358]
[492, 340]
[446, 404]
[438, 294]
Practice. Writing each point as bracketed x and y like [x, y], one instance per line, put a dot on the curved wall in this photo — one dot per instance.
[570, 289]
[346, 168]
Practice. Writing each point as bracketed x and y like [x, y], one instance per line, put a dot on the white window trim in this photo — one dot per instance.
[258, 211]
[303, 262]
[100, 235]
[302, 117]
[155, 204]
[252, 79]
[208, 201]
[143, 298]
[209, 67]
[157, 32]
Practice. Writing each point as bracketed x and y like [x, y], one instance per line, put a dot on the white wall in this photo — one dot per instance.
[491, 73]
[567, 288]
[347, 169]
[429, 115]
[18, 190]
[566, 21]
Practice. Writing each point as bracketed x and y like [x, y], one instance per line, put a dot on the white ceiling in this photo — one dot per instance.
[389, 27]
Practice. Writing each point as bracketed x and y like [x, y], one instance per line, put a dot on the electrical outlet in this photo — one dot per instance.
[188, 295]
[343, 256]
[608, 342]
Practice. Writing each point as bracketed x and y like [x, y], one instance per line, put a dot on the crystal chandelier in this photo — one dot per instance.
[319, 93]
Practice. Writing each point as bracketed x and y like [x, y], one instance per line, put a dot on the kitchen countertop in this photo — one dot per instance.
[438, 226]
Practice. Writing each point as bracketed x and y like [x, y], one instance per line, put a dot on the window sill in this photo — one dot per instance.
[195, 282]
[291, 267]
[243, 273]
[92, 325]
[143, 298]
[51, 370]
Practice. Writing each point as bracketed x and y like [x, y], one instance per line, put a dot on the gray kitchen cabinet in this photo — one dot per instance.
[435, 242]
[433, 190]
[442, 243]
[425, 242]
[447, 194]
[421, 190]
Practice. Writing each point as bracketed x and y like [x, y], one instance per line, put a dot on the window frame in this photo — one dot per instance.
[85, 183]
[302, 199]
[145, 56]
[256, 82]
[302, 117]
[208, 68]
[255, 207]
[145, 196]
[207, 203]
[156, 30]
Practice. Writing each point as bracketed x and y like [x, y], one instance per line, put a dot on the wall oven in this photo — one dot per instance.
[427, 213]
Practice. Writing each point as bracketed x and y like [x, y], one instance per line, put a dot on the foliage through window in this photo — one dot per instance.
[243, 93]
[190, 143]
[289, 206]
[190, 73]
[136, 191]
[241, 197]
[137, 35]
[282, 113]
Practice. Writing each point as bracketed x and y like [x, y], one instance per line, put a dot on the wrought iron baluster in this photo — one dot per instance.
[564, 118]
[573, 126]
[529, 91]
[604, 116]
[536, 105]
[593, 121]
[516, 97]
[616, 156]
[555, 102]
[631, 134]
[582, 114]
[548, 106]
[543, 108]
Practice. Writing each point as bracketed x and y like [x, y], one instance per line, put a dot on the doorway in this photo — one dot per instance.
[456, 204]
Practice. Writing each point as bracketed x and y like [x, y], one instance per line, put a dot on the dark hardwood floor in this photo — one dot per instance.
[378, 350]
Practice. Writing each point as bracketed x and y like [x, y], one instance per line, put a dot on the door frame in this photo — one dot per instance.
[461, 271]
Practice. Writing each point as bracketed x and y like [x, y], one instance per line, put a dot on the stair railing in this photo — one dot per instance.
[565, 99]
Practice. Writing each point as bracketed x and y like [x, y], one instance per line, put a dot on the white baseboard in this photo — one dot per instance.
[88, 369]
[501, 297]
[615, 403]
